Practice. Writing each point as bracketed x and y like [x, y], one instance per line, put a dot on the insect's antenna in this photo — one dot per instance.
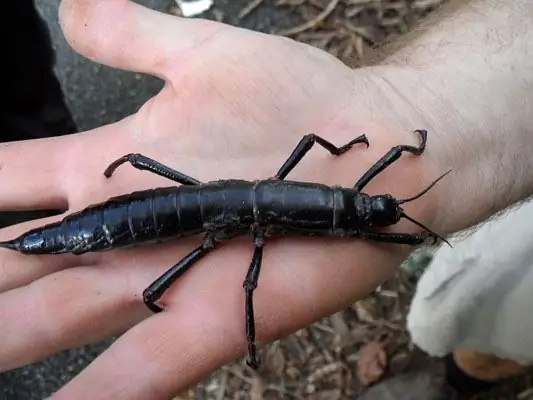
[423, 192]
[414, 221]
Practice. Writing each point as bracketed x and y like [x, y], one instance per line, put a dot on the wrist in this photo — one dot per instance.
[467, 81]
[406, 176]
[485, 142]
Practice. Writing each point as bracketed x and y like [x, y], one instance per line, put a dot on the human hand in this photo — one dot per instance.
[235, 104]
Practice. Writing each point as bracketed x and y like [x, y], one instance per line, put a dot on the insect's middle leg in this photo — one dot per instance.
[144, 163]
[250, 284]
[154, 292]
[391, 156]
[305, 145]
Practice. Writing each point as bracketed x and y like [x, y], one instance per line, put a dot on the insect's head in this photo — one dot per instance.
[386, 210]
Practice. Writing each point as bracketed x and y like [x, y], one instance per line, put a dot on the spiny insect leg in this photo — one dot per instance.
[144, 163]
[305, 145]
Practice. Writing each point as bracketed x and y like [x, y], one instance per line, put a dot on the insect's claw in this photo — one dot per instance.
[149, 301]
[436, 238]
[253, 362]
[154, 307]
[157, 309]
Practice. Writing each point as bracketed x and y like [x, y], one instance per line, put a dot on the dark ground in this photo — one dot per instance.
[319, 362]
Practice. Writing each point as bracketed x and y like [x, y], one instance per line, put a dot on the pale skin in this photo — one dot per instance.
[234, 106]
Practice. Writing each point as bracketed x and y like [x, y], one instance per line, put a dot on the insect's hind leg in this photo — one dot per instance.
[250, 284]
[144, 163]
[154, 292]
[305, 145]
[391, 156]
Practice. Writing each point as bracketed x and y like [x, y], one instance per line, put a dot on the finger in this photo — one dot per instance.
[82, 172]
[67, 309]
[154, 360]
[41, 174]
[126, 35]
[80, 305]
[30, 174]
[203, 326]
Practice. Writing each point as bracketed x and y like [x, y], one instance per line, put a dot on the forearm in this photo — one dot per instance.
[468, 81]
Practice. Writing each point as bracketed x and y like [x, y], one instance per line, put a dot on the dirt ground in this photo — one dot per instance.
[323, 360]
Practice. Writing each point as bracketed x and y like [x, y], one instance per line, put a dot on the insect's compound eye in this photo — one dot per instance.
[385, 210]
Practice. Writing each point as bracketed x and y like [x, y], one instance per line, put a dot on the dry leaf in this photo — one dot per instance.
[372, 362]
[333, 394]
[322, 372]
[277, 362]
[368, 310]
[187, 395]
[339, 324]
[258, 388]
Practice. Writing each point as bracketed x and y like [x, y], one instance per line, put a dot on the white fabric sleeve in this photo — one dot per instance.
[478, 295]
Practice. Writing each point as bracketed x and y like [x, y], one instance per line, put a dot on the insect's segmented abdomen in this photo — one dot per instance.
[224, 208]
[144, 216]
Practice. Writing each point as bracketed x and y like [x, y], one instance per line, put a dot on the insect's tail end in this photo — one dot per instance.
[10, 244]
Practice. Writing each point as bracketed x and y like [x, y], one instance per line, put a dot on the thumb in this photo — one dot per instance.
[129, 36]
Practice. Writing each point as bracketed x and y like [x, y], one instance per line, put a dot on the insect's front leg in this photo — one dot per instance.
[305, 145]
[391, 156]
[412, 239]
[250, 284]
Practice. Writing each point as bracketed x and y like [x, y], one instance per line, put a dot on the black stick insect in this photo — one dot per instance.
[225, 209]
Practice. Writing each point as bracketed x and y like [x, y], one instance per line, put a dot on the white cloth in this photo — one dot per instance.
[478, 295]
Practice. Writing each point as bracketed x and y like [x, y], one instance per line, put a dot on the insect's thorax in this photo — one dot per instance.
[355, 212]
[299, 207]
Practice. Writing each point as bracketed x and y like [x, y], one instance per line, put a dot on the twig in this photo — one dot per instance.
[233, 370]
[325, 352]
[252, 5]
[300, 347]
[311, 23]
[223, 384]
[386, 324]
[361, 31]
[325, 328]
[283, 391]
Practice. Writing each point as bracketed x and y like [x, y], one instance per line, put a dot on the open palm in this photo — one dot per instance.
[234, 105]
